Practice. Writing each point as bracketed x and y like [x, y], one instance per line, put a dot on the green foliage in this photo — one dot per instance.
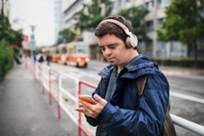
[91, 14]
[184, 21]
[137, 17]
[7, 34]
[6, 59]
[66, 36]
[8, 37]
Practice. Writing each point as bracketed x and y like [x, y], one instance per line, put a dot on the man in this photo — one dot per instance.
[119, 109]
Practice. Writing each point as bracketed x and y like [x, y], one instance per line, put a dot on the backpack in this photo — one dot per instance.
[168, 127]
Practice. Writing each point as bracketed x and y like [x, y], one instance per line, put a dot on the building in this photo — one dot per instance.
[155, 17]
[69, 10]
[57, 17]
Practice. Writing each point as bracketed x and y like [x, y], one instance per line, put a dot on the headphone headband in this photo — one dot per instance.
[131, 39]
[118, 23]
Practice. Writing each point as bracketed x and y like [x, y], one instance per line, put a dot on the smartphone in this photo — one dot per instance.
[87, 98]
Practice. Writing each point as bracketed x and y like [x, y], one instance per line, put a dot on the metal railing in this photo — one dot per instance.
[46, 80]
[189, 125]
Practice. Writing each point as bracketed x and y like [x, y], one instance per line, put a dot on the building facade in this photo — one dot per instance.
[69, 10]
[154, 18]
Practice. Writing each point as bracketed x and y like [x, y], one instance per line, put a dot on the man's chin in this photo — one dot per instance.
[112, 62]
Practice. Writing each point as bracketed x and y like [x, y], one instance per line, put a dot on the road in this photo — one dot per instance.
[187, 94]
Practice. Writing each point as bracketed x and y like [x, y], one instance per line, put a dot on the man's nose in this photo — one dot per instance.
[106, 52]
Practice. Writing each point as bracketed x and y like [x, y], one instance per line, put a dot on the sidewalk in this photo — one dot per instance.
[169, 71]
[24, 111]
[183, 72]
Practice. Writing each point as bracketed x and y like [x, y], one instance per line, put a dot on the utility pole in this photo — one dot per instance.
[155, 24]
[32, 41]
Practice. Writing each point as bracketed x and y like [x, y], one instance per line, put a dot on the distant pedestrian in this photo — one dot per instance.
[17, 60]
[40, 58]
[34, 58]
[132, 97]
[48, 58]
[16, 55]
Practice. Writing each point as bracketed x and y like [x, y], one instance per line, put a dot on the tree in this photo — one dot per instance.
[66, 36]
[91, 14]
[8, 37]
[7, 34]
[137, 17]
[184, 22]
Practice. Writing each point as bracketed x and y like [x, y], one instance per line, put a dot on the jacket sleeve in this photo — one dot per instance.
[92, 121]
[148, 118]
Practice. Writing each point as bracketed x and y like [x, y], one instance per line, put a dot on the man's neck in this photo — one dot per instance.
[132, 55]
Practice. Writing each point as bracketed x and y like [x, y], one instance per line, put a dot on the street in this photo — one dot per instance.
[186, 99]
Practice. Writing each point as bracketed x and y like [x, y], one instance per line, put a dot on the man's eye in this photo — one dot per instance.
[112, 46]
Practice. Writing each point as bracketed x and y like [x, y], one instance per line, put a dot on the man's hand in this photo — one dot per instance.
[92, 110]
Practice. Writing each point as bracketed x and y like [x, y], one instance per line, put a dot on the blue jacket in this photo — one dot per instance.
[128, 113]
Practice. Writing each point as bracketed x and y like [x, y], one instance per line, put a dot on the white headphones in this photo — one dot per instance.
[131, 39]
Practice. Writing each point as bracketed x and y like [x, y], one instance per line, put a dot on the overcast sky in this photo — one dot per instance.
[35, 12]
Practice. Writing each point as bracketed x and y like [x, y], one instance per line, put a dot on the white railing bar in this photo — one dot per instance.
[189, 125]
[69, 114]
[187, 97]
[67, 75]
[68, 94]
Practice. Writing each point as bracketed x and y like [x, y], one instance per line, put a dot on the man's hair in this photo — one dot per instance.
[111, 28]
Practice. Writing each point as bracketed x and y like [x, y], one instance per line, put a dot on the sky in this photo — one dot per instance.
[39, 13]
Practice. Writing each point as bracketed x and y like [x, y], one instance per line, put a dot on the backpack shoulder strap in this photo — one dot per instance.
[140, 82]
[168, 128]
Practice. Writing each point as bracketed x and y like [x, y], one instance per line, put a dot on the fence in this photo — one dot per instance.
[65, 89]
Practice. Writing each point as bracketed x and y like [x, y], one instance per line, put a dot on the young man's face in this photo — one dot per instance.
[114, 50]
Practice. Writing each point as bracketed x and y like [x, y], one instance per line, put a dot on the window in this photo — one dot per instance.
[150, 26]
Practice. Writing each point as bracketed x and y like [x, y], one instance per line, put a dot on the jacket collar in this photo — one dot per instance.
[105, 72]
[138, 66]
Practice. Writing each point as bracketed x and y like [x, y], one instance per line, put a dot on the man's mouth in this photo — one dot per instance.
[110, 59]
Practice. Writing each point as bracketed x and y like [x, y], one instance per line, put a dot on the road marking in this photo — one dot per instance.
[187, 97]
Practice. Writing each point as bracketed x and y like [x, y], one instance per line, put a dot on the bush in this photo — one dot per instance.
[6, 59]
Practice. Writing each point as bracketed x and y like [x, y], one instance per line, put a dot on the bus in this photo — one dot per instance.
[53, 51]
[63, 54]
[55, 54]
[77, 54]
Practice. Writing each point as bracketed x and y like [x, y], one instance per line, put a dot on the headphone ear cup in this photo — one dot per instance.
[128, 42]
[132, 40]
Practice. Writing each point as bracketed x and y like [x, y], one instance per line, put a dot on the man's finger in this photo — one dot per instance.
[99, 99]
[86, 104]
[80, 109]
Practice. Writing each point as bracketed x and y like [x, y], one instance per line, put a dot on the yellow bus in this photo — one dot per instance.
[77, 54]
